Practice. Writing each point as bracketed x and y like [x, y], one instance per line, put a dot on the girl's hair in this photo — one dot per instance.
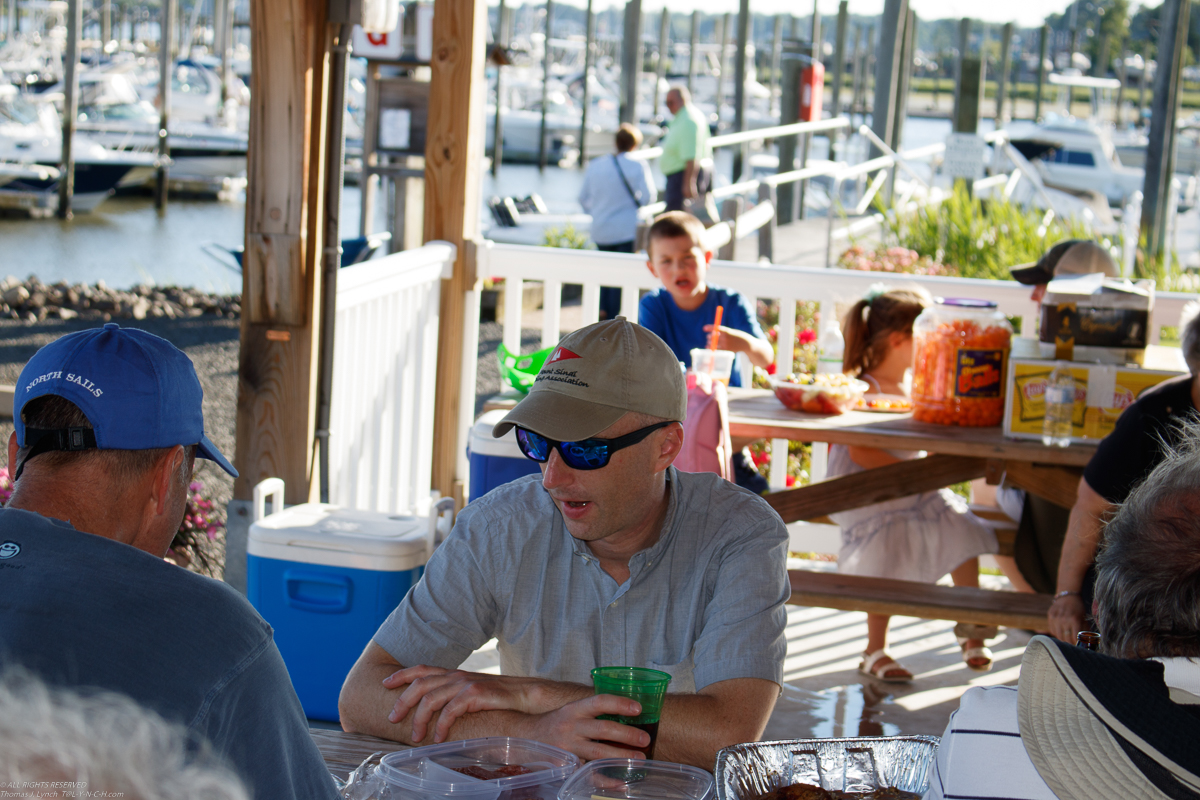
[872, 319]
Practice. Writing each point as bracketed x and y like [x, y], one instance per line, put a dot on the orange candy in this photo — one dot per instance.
[958, 373]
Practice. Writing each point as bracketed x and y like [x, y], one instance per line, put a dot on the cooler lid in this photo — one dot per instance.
[321, 526]
[481, 441]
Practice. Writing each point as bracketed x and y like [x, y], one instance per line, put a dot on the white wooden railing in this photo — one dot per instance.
[385, 362]
[787, 284]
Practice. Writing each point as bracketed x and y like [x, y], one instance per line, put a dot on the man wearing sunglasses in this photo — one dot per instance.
[611, 557]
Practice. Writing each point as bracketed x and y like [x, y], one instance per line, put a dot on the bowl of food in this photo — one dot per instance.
[830, 393]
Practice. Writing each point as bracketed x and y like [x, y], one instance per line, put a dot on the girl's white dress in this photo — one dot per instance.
[916, 538]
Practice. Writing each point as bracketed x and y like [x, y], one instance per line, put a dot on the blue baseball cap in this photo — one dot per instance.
[139, 391]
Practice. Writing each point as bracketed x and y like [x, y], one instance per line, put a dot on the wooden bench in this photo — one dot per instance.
[923, 600]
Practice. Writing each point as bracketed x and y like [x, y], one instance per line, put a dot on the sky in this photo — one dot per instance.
[1025, 13]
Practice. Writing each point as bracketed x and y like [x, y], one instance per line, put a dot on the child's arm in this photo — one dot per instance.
[871, 457]
[757, 350]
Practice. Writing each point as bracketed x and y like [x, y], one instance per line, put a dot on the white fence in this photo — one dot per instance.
[385, 361]
[554, 267]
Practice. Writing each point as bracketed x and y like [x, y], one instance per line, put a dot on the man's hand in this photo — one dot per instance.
[1066, 618]
[574, 728]
[457, 692]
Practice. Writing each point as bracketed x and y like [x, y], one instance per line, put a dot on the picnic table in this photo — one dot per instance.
[956, 454]
[344, 751]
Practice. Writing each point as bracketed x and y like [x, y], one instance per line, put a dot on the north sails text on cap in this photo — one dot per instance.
[594, 377]
[139, 391]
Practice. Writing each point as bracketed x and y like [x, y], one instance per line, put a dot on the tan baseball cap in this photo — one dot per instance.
[594, 377]
[1070, 257]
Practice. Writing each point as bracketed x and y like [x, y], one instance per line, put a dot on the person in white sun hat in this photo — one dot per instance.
[1119, 723]
[609, 557]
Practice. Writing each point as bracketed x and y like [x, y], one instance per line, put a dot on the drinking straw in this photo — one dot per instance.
[713, 338]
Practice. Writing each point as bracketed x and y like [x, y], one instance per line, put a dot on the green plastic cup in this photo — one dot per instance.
[647, 686]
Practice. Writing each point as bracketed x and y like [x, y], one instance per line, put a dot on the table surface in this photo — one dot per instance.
[757, 413]
[344, 751]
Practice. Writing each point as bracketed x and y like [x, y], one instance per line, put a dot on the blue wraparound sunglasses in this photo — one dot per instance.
[585, 454]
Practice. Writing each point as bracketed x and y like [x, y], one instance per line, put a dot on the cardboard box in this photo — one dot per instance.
[1090, 318]
[1102, 392]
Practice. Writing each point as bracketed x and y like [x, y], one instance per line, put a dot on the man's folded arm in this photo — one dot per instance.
[694, 727]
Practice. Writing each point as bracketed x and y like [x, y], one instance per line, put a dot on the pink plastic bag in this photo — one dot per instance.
[706, 443]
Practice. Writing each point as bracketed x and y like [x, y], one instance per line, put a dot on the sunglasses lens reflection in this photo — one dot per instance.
[533, 445]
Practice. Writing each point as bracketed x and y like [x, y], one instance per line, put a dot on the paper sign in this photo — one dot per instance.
[395, 129]
[964, 156]
[381, 46]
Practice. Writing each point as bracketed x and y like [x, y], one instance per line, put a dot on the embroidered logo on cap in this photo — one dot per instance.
[560, 354]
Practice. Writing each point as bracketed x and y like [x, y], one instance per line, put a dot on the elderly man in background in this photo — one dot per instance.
[613, 190]
[687, 158]
[1121, 722]
[108, 426]
[609, 557]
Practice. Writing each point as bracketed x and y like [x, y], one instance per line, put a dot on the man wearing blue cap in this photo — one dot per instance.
[108, 426]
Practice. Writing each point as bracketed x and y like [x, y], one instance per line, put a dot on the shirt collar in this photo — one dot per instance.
[666, 535]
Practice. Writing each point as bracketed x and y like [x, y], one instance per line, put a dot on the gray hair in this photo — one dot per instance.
[55, 739]
[1148, 570]
[1189, 321]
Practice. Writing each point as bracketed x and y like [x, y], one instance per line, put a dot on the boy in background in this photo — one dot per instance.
[682, 311]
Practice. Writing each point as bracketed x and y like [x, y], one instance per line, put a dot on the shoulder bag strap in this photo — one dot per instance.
[624, 180]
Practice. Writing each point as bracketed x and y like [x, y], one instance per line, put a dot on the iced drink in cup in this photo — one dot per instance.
[647, 686]
[718, 363]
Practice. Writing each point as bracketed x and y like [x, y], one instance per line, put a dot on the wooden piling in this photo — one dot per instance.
[839, 58]
[631, 50]
[693, 45]
[1160, 150]
[542, 155]
[723, 61]
[589, 56]
[1006, 36]
[166, 61]
[964, 42]
[1041, 72]
[66, 179]
[664, 46]
[776, 54]
[739, 80]
[887, 71]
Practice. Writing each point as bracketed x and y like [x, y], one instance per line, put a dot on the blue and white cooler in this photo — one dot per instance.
[495, 462]
[325, 578]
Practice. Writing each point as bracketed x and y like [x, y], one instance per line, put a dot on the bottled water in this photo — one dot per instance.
[830, 347]
[1060, 406]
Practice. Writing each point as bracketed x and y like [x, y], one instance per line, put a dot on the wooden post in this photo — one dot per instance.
[887, 70]
[904, 82]
[693, 45]
[766, 234]
[964, 43]
[723, 60]
[542, 155]
[285, 222]
[66, 181]
[166, 62]
[1122, 74]
[970, 82]
[856, 70]
[731, 209]
[1160, 150]
[589, 55]
[817, 52]
[664, 45]
[631, 50]
[501, 40]
[789, 112]
[776, 55]
[105, 23]
[1141, 110]
[1041, 72]
[453, 155]
[368, 185]
[839, 60]
[739, 80]
[1006, 35]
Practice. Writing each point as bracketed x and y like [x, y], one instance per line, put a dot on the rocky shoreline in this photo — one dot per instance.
[30, 301]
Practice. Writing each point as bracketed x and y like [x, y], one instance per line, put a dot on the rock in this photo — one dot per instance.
[16, 295]
[67, 313]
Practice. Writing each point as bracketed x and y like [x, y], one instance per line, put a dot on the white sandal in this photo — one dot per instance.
[873, 667]
[965, 632]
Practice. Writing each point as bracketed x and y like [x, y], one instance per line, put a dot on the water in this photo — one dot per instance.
[1060, 407]
[125, 242]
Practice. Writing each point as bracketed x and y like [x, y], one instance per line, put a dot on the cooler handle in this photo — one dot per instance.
[294, 581]
[272, 488]
[441, 520]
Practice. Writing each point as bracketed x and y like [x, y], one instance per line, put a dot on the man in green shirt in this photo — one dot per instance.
[687, 159]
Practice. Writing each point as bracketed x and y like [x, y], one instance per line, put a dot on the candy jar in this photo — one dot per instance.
[960, 353]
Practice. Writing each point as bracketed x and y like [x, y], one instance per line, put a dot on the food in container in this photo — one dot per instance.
[960, 352]
[495, 768]
[863, 765]
[635, 778]
[827, 393]
[886, 403]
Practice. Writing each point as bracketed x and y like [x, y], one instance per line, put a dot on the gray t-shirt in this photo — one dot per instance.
[80, 610]
[704, 603]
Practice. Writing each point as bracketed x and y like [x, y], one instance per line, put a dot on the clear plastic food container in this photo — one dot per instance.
[960, 353]
[495, 768]
[634, 778]
[829, 393]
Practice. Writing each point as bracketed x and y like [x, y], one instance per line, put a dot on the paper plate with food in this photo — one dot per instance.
[885, 403]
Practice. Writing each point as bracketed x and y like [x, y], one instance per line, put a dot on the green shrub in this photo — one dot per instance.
[566, 237]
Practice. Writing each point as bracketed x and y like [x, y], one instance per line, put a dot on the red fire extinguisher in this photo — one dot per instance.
[812, 88]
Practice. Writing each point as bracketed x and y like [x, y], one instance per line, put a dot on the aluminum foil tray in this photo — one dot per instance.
[746, 771]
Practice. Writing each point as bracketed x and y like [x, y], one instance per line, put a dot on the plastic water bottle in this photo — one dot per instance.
[1060, 406]
[830, 346]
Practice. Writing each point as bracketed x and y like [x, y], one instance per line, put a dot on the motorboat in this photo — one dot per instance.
[1076, 155]
[30, 138]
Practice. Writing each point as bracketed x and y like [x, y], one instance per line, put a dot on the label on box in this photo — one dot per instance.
[1084, 326]
[978, 373]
